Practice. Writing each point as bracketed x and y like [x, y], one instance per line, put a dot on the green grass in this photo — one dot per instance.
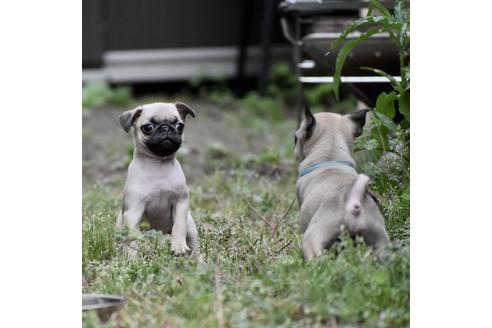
[254, 273]
[97, 94]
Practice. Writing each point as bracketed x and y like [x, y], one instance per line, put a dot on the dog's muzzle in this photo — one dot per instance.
[164, 142]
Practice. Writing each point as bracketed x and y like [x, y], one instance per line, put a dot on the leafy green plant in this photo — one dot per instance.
[263, 106]
[397, 26]
[217, 151]
[212, 87]
[319, 94]
[97, 94]
[282, 83]
[129, 154]
[384, 136]
[221, 95]
[121, 96]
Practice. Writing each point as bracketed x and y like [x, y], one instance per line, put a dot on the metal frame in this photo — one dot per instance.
[347, 79]
[298, 9]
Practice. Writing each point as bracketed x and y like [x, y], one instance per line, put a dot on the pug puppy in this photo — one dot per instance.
[155, 187]
[330, 193]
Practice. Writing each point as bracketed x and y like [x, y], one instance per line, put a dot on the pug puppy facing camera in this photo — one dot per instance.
[330, 193]
[155, 187]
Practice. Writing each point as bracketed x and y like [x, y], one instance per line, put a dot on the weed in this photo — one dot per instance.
[97, 94]
[129, 154]
[262, 107]
[282, 84]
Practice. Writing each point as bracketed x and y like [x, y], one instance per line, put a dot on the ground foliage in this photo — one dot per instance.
[253, 274]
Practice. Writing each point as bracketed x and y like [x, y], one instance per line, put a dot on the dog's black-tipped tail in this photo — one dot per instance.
[356, 195]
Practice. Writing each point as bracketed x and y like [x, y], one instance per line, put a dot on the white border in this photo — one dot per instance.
[451, 220]
[40, 175]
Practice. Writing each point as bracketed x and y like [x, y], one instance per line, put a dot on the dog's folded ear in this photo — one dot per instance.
[310, 122]
[184, 110]
[359, 118]
[129, 117]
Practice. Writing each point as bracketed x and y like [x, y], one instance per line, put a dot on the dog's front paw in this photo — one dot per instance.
[179, 247]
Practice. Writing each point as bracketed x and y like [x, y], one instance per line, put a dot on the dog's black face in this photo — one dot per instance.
[163, 138]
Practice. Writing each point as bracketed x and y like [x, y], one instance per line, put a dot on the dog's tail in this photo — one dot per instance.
[356, 195]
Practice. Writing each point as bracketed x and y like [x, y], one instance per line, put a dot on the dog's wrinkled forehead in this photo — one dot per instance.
[159, 112]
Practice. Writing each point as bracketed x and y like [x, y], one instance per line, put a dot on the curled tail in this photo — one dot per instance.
[356, 195]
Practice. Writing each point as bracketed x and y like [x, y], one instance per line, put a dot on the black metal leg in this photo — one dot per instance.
[297, 60]
[242, 47]
[265, 45]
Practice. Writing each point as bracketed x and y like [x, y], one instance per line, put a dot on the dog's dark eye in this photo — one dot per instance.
[179, 126]
[295, 139]
[147, 128]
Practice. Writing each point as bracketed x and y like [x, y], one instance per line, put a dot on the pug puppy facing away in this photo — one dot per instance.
[330, 193]
[155, 187]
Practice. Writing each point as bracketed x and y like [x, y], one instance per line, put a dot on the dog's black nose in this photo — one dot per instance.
[164, 128]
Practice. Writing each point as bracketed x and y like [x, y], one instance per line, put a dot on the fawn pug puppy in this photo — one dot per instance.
[155, 187]
[329, 191]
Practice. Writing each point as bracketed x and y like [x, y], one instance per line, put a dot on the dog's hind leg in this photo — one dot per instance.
[376, 236]
[321, 234]
[119, 220]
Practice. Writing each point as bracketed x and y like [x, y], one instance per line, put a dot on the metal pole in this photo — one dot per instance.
[297, 60]
[265, 45]
[242, 47]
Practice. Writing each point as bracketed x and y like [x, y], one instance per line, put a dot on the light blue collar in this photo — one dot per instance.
[323, 164]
